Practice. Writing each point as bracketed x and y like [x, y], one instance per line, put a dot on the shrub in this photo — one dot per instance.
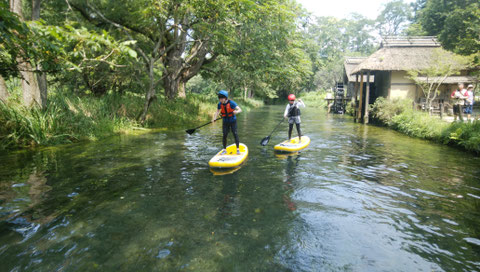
[314, 99]
[399, 115]
[384, 110]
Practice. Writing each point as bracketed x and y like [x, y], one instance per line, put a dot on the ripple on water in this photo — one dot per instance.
[473, 241]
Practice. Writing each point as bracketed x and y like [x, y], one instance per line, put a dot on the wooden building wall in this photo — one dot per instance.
[401, 86]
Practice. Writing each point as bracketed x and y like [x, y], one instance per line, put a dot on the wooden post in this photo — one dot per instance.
[355, 103]
[367, 98]
[360, 100]
[441, 109]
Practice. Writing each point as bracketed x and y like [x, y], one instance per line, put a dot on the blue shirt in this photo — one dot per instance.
[233, 105]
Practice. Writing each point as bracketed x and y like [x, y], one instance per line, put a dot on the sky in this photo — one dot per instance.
[342, 8]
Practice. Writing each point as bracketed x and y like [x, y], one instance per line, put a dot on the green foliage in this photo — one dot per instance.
[328, 40]
[463, 134]
[70, 118]
[264, 55]
[442, 64]
[65, 51]
[350, 108]
[65, 119]
[400, 116]
[384, 110]
[204, 86]
[419, 124]
[314, 99]
[16, 42]
[394, 18]
[456, 23]
[88, 60]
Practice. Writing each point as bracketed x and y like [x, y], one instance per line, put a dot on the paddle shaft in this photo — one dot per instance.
[276, 127]
[265, 140]
[193, 129]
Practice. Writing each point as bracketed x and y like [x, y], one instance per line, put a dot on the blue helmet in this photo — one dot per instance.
[223, 92]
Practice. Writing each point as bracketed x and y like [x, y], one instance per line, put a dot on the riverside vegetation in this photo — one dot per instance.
[70, 118]
[74, 70]
[399, 115]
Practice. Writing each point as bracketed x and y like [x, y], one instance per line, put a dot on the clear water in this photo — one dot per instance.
[359, 198]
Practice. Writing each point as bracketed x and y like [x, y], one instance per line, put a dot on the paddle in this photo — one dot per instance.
[265, 140]
[192, 130]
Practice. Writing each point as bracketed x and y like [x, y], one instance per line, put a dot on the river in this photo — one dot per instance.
[359, 198]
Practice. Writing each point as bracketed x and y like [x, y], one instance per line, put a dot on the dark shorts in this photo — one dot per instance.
[468, 109]
[457, 109]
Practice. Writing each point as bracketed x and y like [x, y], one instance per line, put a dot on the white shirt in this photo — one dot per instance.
[296, 103]
[469, 97]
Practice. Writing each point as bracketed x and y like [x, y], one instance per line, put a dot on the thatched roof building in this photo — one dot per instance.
[349, 78]
[401, 54]
[390, 65]
[350, 65]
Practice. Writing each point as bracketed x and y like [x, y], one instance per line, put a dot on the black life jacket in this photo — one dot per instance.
[294, 111]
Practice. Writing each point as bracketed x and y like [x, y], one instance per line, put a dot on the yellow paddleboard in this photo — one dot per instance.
[293, 144]
[224, 171]
[230, 159]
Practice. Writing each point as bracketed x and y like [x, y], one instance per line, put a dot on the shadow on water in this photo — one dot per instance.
[359, 198]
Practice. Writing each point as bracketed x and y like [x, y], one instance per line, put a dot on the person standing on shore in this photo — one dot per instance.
[469, 102]
[459, 96]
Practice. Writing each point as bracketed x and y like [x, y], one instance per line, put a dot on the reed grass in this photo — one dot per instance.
[70, 118]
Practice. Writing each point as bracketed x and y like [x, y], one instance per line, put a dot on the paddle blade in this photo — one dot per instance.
[265, 140]
[190, 131]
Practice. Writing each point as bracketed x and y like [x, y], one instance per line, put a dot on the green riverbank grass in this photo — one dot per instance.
[71, 118]
[314, 99]
[399, 115]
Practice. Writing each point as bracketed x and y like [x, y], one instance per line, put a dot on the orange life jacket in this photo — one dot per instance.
[226, 109]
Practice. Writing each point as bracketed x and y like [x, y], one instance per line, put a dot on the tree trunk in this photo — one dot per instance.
[31, 90]
[150, 93]
[181, 90]
[148, 101]
[171, 85]
[16, 7]
[41, 77]
[245, 91]
[3, 90]
[36, 9]
[173, 71]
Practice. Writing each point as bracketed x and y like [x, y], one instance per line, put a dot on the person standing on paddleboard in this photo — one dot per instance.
[292, 112]
[229, 109]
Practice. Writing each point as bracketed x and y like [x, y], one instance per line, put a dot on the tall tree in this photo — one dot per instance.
[442, 65]
[266, 55]
[32, 94]
[359, 29]
[175, 39]
[394, 18]
[329, 40]
[455, 22]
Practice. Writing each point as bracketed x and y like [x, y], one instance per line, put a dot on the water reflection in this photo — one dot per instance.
[357, 199]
